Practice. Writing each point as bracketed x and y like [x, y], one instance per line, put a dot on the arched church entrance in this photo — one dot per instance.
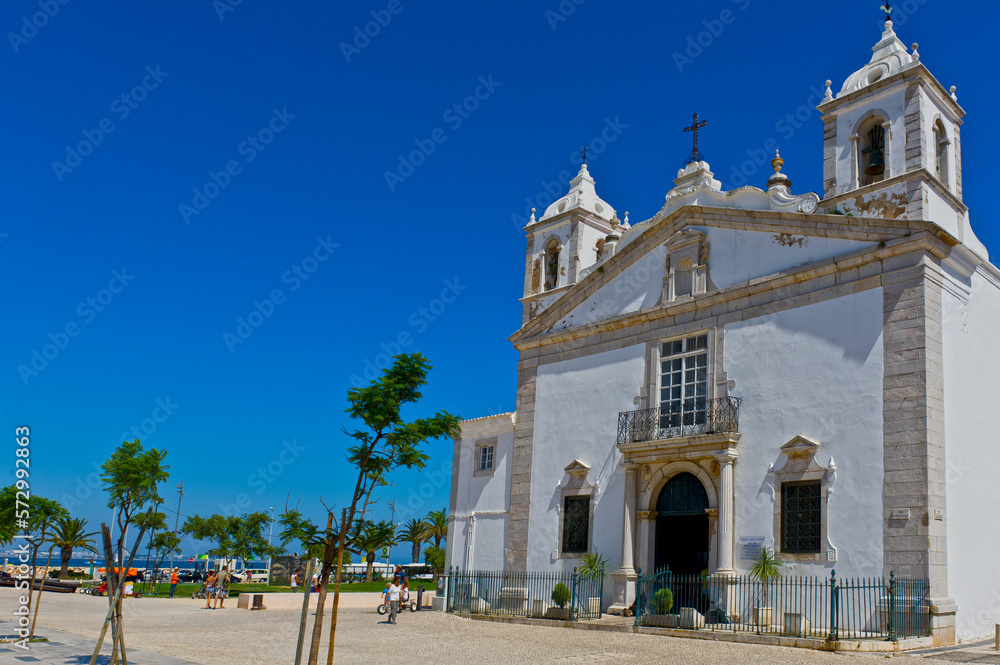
[682, 539]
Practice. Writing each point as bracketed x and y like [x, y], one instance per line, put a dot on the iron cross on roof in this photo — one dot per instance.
[695, 156]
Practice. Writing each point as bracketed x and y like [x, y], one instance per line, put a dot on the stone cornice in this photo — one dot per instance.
[831, 226]
[920, 241]
[921, 174]
[832, 108]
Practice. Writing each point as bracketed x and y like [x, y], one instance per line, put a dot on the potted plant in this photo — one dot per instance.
[560, 596]
[765, 569]
[592, 569]
[663, 602]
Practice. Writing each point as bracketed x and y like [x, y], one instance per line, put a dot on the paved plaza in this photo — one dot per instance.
[178, 631]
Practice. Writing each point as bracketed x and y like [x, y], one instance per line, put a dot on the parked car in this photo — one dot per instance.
[257, 575]
[190, 575]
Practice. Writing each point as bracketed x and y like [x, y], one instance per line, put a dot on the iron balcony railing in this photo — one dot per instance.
[686, 418]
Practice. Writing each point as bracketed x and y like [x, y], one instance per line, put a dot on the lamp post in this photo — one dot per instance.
[177, 519]
[269, 555]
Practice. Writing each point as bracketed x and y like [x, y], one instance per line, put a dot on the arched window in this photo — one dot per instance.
[871, 142]
[941, 153]
[552, 264]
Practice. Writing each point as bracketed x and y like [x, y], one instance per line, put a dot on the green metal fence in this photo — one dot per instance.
[525, 594]
[859, 608]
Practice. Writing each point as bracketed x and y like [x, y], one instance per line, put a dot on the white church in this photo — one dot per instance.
[756, 368]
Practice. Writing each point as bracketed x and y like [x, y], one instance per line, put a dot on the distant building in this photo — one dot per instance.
[756, 368]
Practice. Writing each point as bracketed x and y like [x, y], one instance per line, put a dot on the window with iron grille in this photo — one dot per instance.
[684, 382]
[576, 524]
[801, 517]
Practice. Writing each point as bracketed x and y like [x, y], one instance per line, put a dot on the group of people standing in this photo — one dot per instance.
[217, 588]
[296, 579]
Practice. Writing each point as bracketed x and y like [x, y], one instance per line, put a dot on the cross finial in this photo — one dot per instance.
[695, 156]
[584, 155]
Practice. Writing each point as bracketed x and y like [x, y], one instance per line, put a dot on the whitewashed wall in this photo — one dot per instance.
[739, 256]
[576, 417]
[972, 452]
[814, 371]
[481, 504]
[639, 286]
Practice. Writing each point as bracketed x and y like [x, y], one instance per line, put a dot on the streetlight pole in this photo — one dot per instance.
[177, 521]
[269, 555]
[392, 520]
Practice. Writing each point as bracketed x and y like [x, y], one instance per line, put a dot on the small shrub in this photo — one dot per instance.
[560, 595]
[663, 601]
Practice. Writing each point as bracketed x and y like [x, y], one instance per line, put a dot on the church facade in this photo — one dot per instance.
[757, 368]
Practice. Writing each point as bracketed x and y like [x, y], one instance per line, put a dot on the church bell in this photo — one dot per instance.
[875, 151]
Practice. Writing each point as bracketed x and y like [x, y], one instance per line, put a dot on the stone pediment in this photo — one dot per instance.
[800, 446]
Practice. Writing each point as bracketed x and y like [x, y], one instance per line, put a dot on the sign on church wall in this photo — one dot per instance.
[749, 546]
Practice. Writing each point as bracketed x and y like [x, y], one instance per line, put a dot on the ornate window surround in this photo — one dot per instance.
[800, 464]
[575, 485]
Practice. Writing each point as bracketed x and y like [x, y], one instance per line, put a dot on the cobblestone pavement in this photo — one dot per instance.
[180, 628]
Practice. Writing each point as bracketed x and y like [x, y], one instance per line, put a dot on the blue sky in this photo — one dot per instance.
[218, 216]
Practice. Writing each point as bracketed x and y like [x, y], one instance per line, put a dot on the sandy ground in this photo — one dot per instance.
[181, 628]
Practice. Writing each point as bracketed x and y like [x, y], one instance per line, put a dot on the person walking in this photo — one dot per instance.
[210, 591]
[173, 582]
[222, 587]
[295, 581]
[394, 590]
[315, 581]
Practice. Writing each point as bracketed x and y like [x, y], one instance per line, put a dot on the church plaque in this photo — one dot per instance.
[749, 546]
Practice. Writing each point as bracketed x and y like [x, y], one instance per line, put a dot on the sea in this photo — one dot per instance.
[140, 561]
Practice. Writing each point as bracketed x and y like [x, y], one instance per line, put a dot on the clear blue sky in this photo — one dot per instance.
[104, 193]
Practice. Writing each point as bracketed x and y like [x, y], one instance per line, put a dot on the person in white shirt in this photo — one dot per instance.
[295, 581]
[394, 591]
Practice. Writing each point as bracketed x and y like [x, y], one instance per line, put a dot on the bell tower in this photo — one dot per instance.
[567, 239]
[891, 143]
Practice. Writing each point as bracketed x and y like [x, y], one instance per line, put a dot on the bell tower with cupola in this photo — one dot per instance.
[891, 143]
[567, 239]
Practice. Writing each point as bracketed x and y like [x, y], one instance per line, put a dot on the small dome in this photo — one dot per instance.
[889, 57]
[583, 196]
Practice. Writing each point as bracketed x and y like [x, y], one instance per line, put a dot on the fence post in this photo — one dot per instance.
[572, 599]
[834, 628]
[447, 596]
[892, 606]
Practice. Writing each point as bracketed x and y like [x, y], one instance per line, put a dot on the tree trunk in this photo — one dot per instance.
[416, 551]
[66, 553]
[370, 559]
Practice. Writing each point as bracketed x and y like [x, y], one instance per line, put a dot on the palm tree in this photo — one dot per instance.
[437, 526]
[371, 538]
[414, 532]
[69, 535]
